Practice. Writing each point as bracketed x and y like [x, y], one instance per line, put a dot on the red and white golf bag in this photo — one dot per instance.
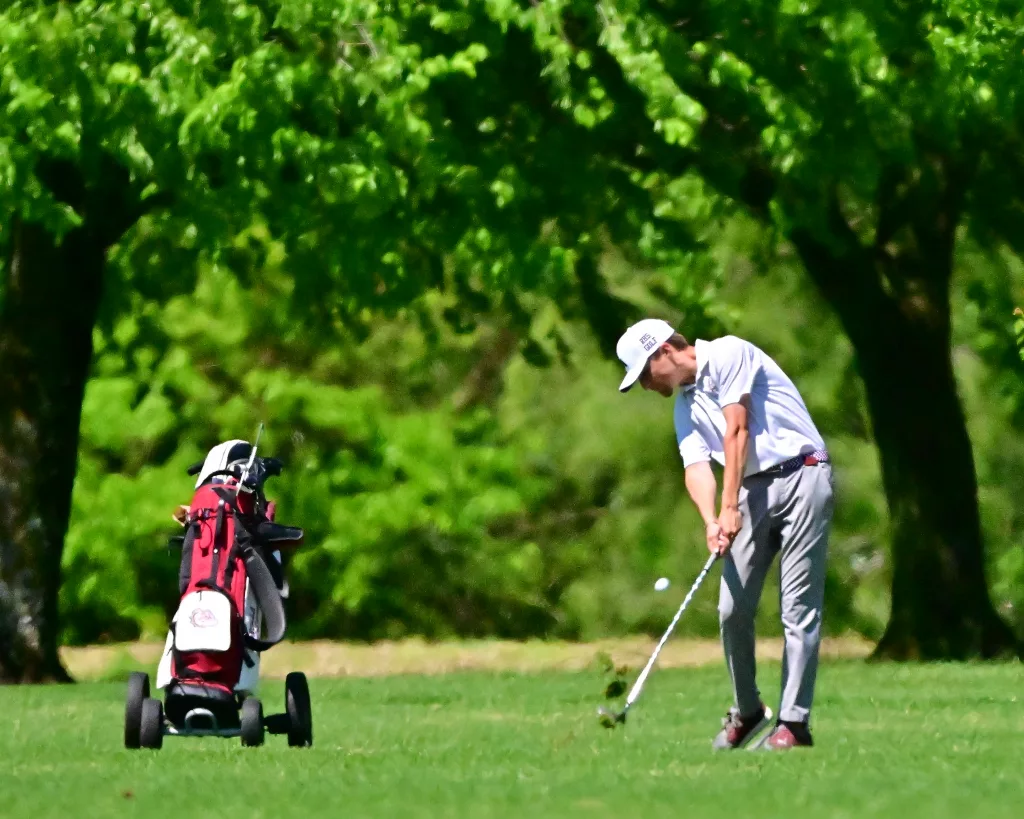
[231, 583]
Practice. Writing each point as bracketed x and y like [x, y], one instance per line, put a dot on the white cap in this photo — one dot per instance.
[637, 344]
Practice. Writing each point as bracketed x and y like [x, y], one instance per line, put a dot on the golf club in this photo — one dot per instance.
[609, 718]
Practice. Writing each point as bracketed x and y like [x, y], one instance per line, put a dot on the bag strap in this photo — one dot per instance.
[219, 546]
[264, 589]
[269, 598]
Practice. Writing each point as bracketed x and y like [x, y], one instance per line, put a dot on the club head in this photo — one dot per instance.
[609, 718]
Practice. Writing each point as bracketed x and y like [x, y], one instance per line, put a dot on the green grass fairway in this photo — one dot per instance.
[901, 741]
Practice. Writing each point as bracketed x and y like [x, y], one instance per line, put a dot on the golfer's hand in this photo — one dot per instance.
[713, 533]
[730, 521]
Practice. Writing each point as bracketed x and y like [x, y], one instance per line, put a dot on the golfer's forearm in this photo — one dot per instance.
[701, 485]
[735, 447]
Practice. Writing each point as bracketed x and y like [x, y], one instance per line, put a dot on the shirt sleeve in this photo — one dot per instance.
[737, 365]
[692, 448]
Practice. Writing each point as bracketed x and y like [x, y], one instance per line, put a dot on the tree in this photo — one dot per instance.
[490, 149]
[868, 138]
[140, 138]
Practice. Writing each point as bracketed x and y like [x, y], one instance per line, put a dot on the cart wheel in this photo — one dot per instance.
[300, 712]
[151, 730]
[252, 722]
[138, 691]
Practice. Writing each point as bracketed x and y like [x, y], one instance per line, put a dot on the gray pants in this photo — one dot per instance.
[789, 514]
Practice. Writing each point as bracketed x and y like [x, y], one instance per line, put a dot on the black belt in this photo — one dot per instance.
[819, 456]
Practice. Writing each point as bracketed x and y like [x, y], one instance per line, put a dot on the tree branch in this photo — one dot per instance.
[843, 270]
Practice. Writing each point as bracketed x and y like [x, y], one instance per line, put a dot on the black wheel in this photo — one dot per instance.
[138, 691]
[300, 712]
[252, 722]
[151, 731]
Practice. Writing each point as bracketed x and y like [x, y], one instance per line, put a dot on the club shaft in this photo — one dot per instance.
[635, 691]
[252, 455]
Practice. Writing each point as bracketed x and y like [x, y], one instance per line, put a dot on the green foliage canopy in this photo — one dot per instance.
[388, 148]
[376, 151]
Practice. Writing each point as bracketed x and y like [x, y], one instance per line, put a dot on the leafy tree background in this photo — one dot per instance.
[452, 487]
[406, 235]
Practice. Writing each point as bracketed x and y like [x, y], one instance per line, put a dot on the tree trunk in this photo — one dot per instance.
[940, 603]
[49, 307]
[895, 307]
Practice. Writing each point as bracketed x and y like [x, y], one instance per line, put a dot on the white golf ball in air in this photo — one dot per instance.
[661, 584]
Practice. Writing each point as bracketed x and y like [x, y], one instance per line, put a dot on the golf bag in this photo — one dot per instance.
[231, 585]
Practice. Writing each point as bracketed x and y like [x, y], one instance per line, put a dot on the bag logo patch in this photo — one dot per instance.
[203, 618]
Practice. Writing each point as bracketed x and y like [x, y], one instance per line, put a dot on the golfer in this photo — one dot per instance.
[737, 407]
